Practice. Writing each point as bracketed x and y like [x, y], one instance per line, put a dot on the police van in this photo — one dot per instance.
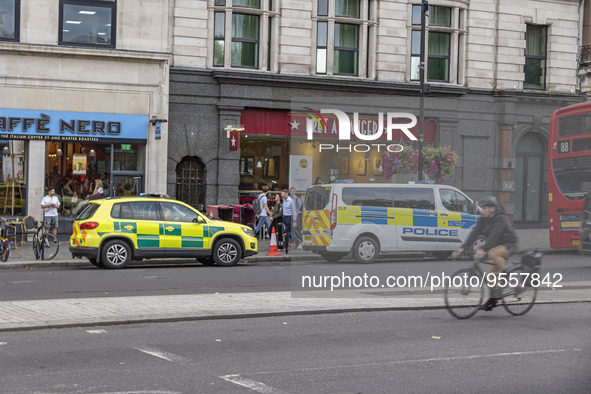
[365, 219]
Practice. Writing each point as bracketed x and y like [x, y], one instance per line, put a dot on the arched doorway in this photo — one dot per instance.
[528, 179]
[190, 182]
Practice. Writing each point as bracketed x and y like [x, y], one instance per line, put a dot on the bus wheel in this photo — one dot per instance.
[366, 250]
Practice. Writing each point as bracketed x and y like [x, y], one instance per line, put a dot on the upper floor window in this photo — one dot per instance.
[9, 20]
[535, 57]
[342, 35]
[88, 23]
[445, 37]
[241, 30]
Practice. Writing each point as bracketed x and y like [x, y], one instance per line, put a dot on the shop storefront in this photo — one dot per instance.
[275, 150]
[74, 152]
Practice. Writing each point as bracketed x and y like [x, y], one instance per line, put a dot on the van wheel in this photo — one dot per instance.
[227, 252]
[332, 257]
[441, 255]
[116, 254]
[365, 250]
[477, 244]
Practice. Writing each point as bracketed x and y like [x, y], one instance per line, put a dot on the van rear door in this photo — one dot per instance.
[316, 221]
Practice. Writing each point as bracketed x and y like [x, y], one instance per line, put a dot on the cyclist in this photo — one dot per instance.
[501, 242]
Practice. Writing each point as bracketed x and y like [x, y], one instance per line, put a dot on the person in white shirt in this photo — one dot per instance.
[50, 204]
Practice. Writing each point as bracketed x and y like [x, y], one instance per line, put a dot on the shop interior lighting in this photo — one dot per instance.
[259, 164]
[59, 152]
[92, 153]
[74, 22]
[87, 12]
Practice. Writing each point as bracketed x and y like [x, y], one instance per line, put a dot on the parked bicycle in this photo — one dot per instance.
[6, 229]
[465, 292]
[45, 245]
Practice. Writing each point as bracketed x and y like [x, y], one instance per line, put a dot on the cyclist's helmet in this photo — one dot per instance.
[489, 201]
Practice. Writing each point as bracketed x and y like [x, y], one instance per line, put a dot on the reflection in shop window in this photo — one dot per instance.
[12, 182]
[128, 157]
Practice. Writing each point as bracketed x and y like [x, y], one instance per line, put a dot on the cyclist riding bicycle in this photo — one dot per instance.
[501, 242]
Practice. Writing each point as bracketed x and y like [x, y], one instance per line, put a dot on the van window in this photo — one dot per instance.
[136, 210]
[368, 196]
[317, 198]
[454, 201]
[414, 197]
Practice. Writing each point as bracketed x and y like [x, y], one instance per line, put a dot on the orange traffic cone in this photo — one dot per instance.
[273, 248]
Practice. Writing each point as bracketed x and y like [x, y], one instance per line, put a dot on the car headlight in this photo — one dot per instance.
[248, 231]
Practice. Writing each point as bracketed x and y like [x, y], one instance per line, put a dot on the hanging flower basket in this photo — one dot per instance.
[438, 162]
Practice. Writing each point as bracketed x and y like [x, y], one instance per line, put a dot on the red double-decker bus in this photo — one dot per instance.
[569, 172]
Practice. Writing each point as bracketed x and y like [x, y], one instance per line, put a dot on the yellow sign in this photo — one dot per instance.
[79, 164]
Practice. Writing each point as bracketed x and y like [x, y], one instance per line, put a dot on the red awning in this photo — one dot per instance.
[286, 123]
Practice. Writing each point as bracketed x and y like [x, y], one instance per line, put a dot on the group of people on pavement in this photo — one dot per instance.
[286, 217]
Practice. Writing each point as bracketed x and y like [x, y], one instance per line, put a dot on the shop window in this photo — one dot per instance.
[246, 27]
[10, 20]
[88, 23]
[190, 182]
[128, 157]
[12, 179]
[444, 28]
[350, 24]
[535, 57]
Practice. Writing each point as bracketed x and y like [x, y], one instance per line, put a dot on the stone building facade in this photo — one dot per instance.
[498, 71]
[95, 74]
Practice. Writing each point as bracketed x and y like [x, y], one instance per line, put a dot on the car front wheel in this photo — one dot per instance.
[366, 250]
[115, 254]
[227, 252]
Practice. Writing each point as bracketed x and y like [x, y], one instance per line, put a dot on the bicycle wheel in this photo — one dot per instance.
[36, 249]
[519, 300]
[5, 252]
[463, 295]
[50, 247]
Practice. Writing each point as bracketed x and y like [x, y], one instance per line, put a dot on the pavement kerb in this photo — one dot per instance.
[253, 315]
[260, 258]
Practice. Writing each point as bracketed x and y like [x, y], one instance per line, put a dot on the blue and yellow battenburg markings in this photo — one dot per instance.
[150, 234]
[403, 217]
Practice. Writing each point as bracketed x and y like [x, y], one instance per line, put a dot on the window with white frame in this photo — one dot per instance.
[9, 20]
[243, 33]
[535, 57]
[88, 23]
[444, 43]
[343, 37]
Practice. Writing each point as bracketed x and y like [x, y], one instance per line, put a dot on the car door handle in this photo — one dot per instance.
[443, 214]
[432, 214]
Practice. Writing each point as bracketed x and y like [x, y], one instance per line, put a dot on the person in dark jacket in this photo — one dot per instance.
[277, 220]
[501, 241]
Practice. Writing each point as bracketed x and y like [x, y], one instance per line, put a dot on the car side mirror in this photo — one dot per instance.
[475, 208]
[199, 219]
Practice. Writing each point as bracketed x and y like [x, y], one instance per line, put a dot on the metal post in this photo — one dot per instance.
[424, 10]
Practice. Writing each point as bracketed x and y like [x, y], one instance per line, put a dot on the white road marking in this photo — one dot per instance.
[422, 360]
[252, 384]
[96, 331]
[163, 355]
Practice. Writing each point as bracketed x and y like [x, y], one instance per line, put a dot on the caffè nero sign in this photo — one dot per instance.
[72, 126]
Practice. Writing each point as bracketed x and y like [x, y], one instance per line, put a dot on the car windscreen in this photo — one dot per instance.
[317, 198]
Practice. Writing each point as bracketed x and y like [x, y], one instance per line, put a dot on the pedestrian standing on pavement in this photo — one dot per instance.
[289, 216]
[50, 204]
[277, 220]
[265, 211]
[296, 222]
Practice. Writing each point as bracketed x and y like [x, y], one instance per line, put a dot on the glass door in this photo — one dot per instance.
[126, 185]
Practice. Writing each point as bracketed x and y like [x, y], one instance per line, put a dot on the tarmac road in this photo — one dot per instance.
[545, 351]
